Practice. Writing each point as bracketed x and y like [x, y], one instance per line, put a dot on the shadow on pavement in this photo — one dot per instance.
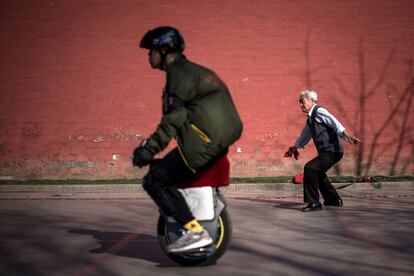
[281, 204]
[133, 245]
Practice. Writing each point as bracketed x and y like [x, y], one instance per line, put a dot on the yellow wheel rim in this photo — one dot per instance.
[221, 234]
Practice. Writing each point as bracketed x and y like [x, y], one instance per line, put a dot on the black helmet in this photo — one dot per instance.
[163, 36]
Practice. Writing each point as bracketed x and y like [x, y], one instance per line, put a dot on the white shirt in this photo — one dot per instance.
[322, 116]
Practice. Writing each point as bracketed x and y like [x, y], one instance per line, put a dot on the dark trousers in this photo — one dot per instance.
[315, 178]
[161, 180]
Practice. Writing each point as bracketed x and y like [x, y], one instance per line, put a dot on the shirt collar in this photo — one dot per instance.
[311, 110]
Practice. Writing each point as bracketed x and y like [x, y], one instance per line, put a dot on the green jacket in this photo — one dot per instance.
[198, 112]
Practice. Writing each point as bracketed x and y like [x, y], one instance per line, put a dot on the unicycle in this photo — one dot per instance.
[209, 207]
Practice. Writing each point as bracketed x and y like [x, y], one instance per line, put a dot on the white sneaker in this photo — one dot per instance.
[190, 240]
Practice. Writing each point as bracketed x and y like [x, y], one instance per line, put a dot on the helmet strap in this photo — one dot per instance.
[163, 59]
[163, 55]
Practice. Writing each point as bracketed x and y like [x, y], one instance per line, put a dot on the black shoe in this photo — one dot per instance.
[316, 206]
[337, 203]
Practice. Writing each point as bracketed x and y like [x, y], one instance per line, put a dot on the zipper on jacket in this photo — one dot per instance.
[200, 133]
[183, 157]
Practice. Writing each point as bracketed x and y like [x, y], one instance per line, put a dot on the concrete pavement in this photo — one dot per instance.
[102, 233]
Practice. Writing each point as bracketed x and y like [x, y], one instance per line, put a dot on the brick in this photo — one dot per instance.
[74, 69]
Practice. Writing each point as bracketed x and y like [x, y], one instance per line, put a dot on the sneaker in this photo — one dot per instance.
[190, 240]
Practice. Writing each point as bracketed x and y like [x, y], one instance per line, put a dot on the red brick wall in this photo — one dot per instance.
[77, 94]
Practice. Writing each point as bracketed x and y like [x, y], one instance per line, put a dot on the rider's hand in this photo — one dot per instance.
[292, 151]
[142, 156]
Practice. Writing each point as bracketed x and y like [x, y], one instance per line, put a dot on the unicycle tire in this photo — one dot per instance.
[199, 258]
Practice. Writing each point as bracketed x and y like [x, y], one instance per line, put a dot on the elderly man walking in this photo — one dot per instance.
[325, 130]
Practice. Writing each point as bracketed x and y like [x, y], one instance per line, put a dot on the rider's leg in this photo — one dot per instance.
[179, 173]
[160, 184]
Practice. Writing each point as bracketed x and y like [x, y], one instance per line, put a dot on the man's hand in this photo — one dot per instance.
[351, 139]
[292, 151]
[142, 156]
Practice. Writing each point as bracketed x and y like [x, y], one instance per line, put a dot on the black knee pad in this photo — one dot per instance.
[156, 178]
[157, 184]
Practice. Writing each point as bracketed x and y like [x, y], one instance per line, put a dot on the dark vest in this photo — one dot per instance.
[324, 137]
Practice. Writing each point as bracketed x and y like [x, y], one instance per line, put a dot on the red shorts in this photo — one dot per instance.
[216, 176]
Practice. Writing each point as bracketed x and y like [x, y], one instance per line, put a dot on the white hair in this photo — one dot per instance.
[310, 95]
